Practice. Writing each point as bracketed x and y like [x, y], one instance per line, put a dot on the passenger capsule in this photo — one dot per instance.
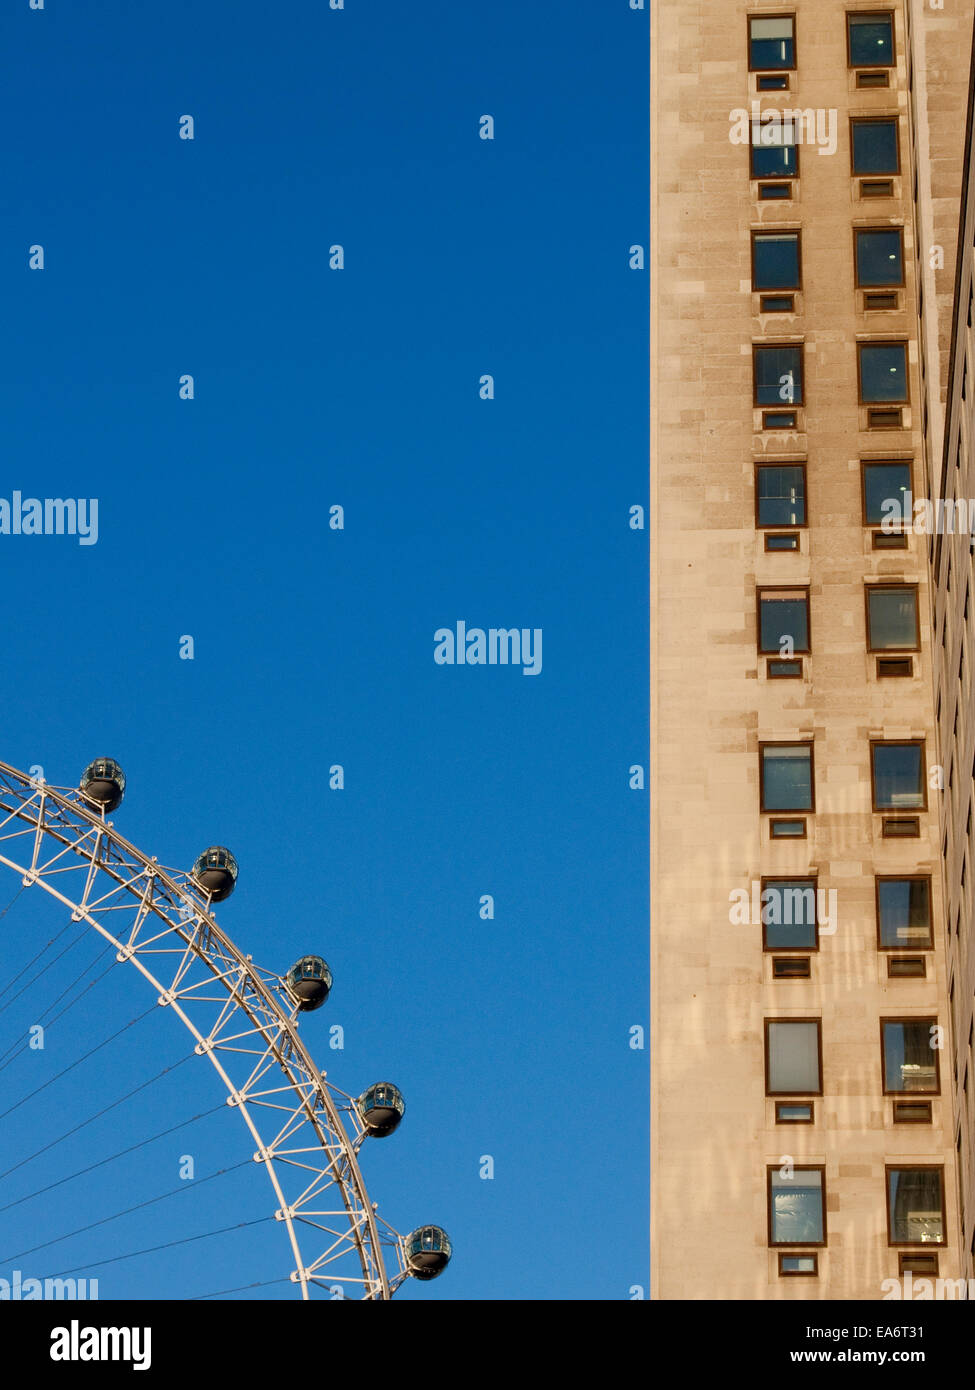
[427, 1252]
[216, 872]
[310, 981]
[381, 1108]
[103, 781]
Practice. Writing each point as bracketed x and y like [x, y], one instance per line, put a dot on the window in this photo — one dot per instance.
[771, 42]
[898, 776]
[778, 374]
[775, 261]
[774, 150]
[910, 1059]
[789, 917]
[797, 1207]
[799, 1264]
[875, 146]
[786, 776]
[780, 494]
[783, 621]
[882, 373]
[870, 40]
[793, 1057]
[892, 618]
[879, 256]
[886, 483]
[915, 1206]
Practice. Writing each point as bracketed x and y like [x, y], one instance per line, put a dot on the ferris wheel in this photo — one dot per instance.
[306, 1133]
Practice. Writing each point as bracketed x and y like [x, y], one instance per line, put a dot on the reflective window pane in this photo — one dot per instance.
[914, 1206]
[910, 1062]
[883, 482]
[878, 255]
[875, 147]
[883, 373]
[892, 617]
[778, 376]
[776, 261]
[897, 776]
[797, 1207]
[793, 1058]
[871, 40]
[782, 496]
[904, 905]
[787, 777]
[771, 43]
[774, 152]
[784, 626]
[789, 914]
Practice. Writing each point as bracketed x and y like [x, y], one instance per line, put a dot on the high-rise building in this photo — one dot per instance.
[811, 1065]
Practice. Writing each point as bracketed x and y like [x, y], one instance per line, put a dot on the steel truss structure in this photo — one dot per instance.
[306, 1131]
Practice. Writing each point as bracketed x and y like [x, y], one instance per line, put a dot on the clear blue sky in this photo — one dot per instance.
[313, 647]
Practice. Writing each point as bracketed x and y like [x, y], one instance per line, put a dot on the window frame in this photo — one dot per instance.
[871, 14]
[801, 1095]
[890, 284]
[909, 1167]
[899, 743]
[862, 343]
[770, 880]
[793, 406]
[799, 1244]
[866, 463]
[784, 14]
[761, 525]
[768, 232]
[787, 812]
[760, 592]
[770, 178]
[912, 946]
[870, 588]
[876, 173]
[902, 1018]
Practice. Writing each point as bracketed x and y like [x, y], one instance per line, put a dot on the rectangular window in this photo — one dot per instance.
[778, 374]
[882, 373]
[875, 146]
[791, 968]
[775, 261]
[774, 150]
[786, 776]
[794, 1112]
[904, 913]
[782, 540]
[768, 191]
[879, 256]
[793, 1057]
[885, 492]
[915, 1206]
[799, 1264]
[797, 1206]
[789, 919]
[870, 40]
[772, 42]
[892, 618]
[910, 1060]
[901, 967]
[783, 621]
[897, 768]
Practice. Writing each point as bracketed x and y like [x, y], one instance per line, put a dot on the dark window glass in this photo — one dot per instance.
[771, 43]
[793, 1058]
[884, 482]
[797, 1207]
[789, 914]
[782, 495]
[897, 771]
[774, 154]
[776, 261]
[910, 1061]
[787, 777]
[871, 40]
[879, 259]
[875, 147]
[904, 905]
[914, 1206]
[784, 618]
[883, 372]
[778, 375]
[892, 615]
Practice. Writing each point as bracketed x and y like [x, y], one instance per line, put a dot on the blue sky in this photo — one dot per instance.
[359, 387]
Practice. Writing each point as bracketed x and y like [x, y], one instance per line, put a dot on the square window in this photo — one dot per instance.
[771, 42]
[879, 256]
[875, 146]
[898, 775]
[774, 150]
[783, 621]
[775, 261]
[789, 919]
[793, 1057]
[886, 489]
[871, 40]
[892, 618]
[882, 372]
[786, 776]
[915, 1206]
[797, 1207]
[778, 374]
[910, 1059]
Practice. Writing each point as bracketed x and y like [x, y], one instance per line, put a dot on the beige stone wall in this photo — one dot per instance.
[713, 1127]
